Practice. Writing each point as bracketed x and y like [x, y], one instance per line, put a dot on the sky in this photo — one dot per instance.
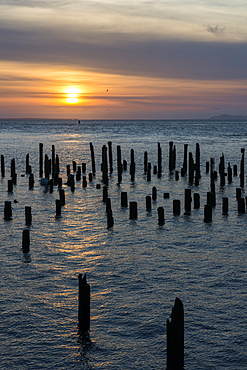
[115, 59]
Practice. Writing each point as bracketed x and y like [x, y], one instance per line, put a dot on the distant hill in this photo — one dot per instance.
[229, 117]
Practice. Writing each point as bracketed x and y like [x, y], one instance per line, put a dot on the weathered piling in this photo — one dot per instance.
[74, 166]
[176, 175]
[105, 193]
[159, 161]
[26, 241]
[90, 177]
[198, 161]
[51, 185]
[208, 213]
[225, 205]
[7, 210]
[155, 170]
[84, 181]
[222, 171]
[235, 170]
[53, 160]
[124, 166]
[161, 216]
[110, 156]
[92, 159]
[132, 165]
[149, 172]
[176, 207]
[83, 167]
[104, 165]
[187, 201]
[133, 210]
[110, 220]
[31, 181]
[124, 199]
[166, 195]
[242, 169]
[145, 162]
[62, 196]
[211, 198]
[191, 169]
[108, 204]
[58, 207]
[40, 159]
[28, 215]
[175, 337]
[241, 205]
[229, 173]
[12, 171]
[47, 167]
[10, 186]
[148, 203]
[184, 168]
[83, 304]
[207, 167]
[212, 176]
[27, 163]
[2, 166]
[154, 193]
[196, 197]
[119, 164]
[78, 173]
[172, 156]
[238, 193]
[72, 183]
[68, 169]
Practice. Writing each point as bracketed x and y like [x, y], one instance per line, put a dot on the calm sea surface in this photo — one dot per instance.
[135, 269]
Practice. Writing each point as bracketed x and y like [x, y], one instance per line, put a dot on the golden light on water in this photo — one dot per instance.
[72, 95]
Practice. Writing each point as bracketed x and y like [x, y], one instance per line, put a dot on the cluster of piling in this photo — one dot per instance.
[49, 173]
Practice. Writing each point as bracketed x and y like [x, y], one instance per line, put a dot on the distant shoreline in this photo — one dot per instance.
[224, 117]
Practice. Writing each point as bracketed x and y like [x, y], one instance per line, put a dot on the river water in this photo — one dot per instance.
[135, 269]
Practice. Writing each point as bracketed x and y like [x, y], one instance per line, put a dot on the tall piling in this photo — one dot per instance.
[110, 156]
[2, 166]
[119, 164]
[83, 304]
[25, 241]
[40, 160]
[175, 337]
[159, 161]
[161, 216]
[133, 210]
[28, 215]
[7, 210]
[92, 159]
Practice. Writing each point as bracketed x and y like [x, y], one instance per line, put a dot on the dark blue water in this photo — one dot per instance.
[137, 268]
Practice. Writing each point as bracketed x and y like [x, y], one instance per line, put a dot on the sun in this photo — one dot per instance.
[72, 95]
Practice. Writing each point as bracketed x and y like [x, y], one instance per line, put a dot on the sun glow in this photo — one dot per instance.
[72, 95]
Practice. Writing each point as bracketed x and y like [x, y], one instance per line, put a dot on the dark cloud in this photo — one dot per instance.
[216, 30]
[118, 54]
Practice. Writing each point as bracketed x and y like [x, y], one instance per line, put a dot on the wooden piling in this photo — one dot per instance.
[104, 165]
[161, 216]
[196, 200]
[211, 198]
[26, 241]
[208, 213]
[74, 166]
[154, 193]
[176, 175]
[229, 173]
[159, 161]
[191, 169]
[27, 163]
[149, 172]
[105, 193]
[197, 162]
[31, 181]
[84, 181]
[225, 205]
[10, 186]
[83, 167]
[40, 160]
[108, 204]
[119, 164]
[184, 172]
[222, 171]
[2, 166]
[133, 210]
[145, 162]
[53, 161]
[28, 215]
[110, 156]
[132, 165]
[176, 207]
[235, 170]
[58, 207]
[175, 337]
[124, 199]
[124, 167]
[62, 196]
[241, 176]
[187, 201]
[92, 159]
[83, 304]
[110, 220]
[241, 205]
[238, 193]
[207, 167]
[90, 177]
[78, 173]
[148, 203]
[7, 210]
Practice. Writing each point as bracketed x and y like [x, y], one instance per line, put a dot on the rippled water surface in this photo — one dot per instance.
[135, 269]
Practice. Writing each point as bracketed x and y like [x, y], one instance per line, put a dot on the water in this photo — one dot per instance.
[137, 268]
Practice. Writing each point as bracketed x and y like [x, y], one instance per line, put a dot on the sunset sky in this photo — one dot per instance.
[116, 59]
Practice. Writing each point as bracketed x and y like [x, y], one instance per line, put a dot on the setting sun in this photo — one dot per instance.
[72, 95]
